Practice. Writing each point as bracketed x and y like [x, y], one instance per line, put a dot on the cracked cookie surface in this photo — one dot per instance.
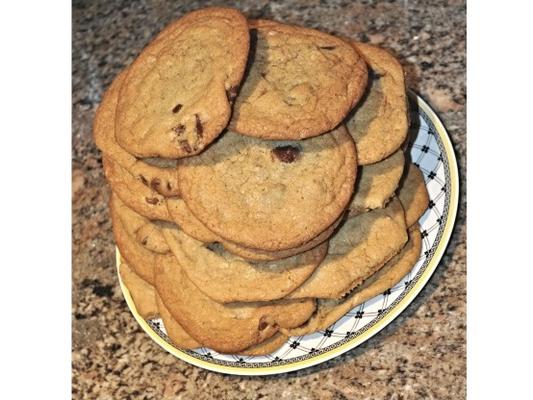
[175, 98]
[261, 194]
[300, 82]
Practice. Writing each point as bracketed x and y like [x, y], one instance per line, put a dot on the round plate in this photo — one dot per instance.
[430, 148]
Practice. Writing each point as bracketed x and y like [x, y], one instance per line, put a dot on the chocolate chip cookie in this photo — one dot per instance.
[176, 96]
[330, 310]
[134, 241]
[227, 278]
[175, 331]
[270, 195]
[301, 83]
[183, 340]
[360, 247]
[156, 173]
[183, 217]
[141, 198]
[379, 122]
[227, 328]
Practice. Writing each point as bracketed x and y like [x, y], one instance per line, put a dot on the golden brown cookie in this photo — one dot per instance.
[175, 331]
[376, 183]
[301, 83]
[227, 278]
[141, 198]
[126, 225]
[261, 194]
[360, 247]
[228, 328]
[142, 293]
[329, 311]
[151, 237]
[182, 216]
[181, 338]
[413, 194]
[379, 123]
[175, 98]
[157, 174]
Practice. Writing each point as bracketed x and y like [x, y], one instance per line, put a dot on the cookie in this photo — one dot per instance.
[329, 311]
[270, 195]
[141, 198]
[140, 228]
[157, 174]
[125, 227]
[376, 183]
[175, 331]
[267, 347]
[151, 238]
[142, 293]
[300, 83]
[226, 328]
[379, 122]
[175, 98]
[359, 248]
[265, 255]
[227, 278]
[181, 338]
[413, 194]
[183, 217]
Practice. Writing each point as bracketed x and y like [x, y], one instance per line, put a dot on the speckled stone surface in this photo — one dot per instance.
[421, 355]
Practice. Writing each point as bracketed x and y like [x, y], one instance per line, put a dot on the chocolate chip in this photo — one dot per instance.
[169, 187]
[155, 183]
[177, 108]
[151, 200]
[199, 127]
[186, 147]
[328, 47]
[286, 154]
[144, 241]
[231, 93]
[143, 180]
[179, 129]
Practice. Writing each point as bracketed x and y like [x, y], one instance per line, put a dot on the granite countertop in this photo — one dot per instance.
[422, 354]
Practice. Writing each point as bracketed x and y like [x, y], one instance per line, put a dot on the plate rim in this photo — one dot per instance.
[358, 340]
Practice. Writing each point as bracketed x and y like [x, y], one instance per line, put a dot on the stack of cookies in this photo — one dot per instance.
[260, 189]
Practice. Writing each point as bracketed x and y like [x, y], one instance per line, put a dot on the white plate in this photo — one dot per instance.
[432, 151]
